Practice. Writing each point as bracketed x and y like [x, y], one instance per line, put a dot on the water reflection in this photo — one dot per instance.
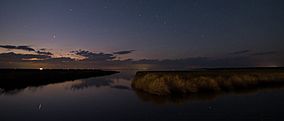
[93, 82]
[122, 81]
[15, 81]
[121, 87]
[181, 99]
[111, 98]
[119, 81]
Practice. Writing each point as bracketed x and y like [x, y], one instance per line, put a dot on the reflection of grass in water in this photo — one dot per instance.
[166, 83]
[173, 99]
[179, 99]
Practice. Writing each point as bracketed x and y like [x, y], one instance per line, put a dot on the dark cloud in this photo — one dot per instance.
[251, 53]
[25, 48]
[43, 53]
[123, 52]
[59, 60]
[198, 62]
[94, 56]
[244, 58]
[20, 57]
[105, 61]
[43, 49]
[264, 53]
[240, 52]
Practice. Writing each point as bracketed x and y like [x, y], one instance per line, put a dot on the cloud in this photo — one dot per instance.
[123, 52]
[25, 48]
[43, 49]
[94, 56]
[21, 57]
[42, 58]
[240, 52]
[251, 53]
[59, 60]
[15, 60]
[43, 53]
[264, 53]
[197, 62]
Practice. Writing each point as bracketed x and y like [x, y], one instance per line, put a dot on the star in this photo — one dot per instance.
[54, 36]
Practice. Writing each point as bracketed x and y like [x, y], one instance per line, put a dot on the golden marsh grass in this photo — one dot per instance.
[169, 82]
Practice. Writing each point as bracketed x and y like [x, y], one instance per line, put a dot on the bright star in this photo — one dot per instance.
[54, 36]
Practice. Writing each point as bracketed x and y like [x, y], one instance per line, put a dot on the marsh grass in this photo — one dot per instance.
[181, 82]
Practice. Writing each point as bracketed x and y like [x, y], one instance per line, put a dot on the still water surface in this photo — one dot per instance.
[110, 98]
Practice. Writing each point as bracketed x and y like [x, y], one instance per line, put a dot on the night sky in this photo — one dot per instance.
[141, 34]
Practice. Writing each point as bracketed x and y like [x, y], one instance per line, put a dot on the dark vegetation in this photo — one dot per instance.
[207, 80]
[16, 79]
